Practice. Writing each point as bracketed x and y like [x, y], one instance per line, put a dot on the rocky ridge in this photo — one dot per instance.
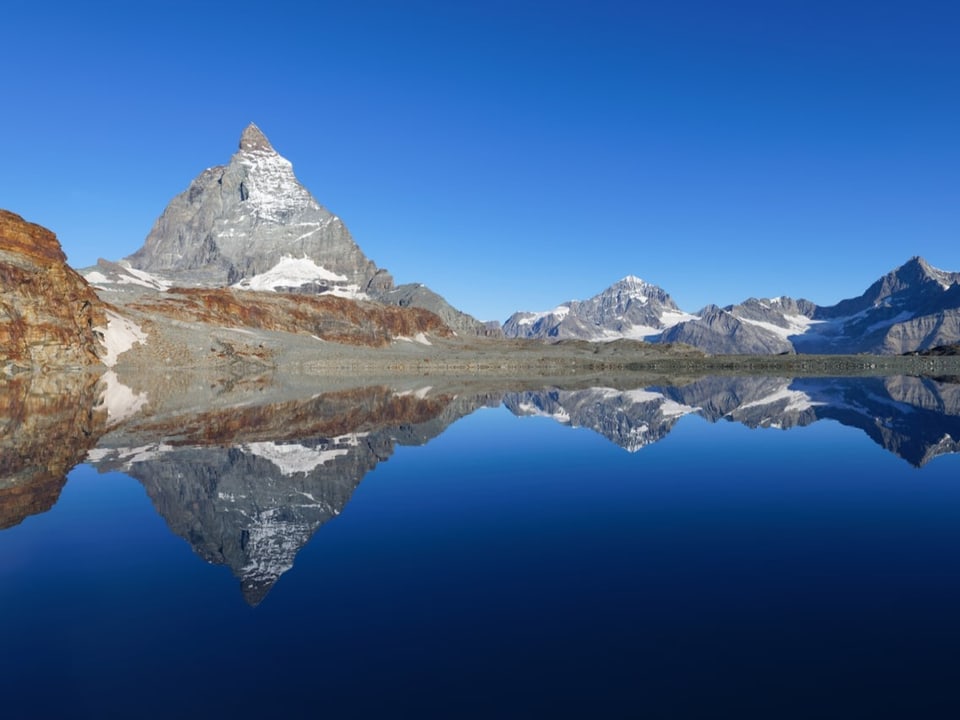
[49, 317]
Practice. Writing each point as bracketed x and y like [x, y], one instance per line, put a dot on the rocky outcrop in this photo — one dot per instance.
[326, 317]
[48, 313]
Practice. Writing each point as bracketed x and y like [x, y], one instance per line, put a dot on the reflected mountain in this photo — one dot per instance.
[248, 487]
[915, 418]
[630, 418]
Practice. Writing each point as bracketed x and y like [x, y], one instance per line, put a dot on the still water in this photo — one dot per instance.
[733, 547]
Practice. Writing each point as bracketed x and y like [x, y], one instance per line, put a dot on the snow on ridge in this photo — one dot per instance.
[559, 312]
[272, 188]
[142, 277]
[797, 325]
[129, 276]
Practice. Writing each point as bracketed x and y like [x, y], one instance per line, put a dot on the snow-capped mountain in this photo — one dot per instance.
[251, 225]
[915, 307]
[630, 308]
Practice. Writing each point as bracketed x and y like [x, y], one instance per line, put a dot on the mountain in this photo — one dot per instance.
[630, 308]
[251, 225]
[49, 316]
[912, 308]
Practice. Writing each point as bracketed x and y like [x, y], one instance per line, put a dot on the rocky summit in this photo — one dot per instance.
[49, 316]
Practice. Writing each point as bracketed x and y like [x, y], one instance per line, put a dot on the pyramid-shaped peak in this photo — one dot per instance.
[253, 140]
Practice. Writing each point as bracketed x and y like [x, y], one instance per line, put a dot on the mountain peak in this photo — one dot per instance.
[253, 140]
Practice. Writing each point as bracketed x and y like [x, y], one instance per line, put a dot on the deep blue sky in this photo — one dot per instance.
[513, 155]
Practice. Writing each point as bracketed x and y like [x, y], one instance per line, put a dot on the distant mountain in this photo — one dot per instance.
[913, 308]
[630, 308]
[251, 225]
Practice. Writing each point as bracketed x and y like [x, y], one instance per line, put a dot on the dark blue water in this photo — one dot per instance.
[517, 567]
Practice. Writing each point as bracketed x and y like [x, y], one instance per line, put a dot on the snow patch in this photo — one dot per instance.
[796, 325]
[120, 335]
[289, 272]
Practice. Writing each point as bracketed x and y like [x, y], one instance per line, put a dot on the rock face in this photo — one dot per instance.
[48, 313]
[630, 308]
[913, 308]
[251, 224]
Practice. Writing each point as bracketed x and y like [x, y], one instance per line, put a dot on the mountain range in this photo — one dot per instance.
[914, 307]
[246, 244]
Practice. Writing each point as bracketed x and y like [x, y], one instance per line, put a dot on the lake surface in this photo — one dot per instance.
[733, 547]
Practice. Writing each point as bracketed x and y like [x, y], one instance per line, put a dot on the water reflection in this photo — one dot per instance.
[47, 425]
[248, 486]
[912, 417]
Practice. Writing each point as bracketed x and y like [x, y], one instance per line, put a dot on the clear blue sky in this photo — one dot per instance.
[513, 155]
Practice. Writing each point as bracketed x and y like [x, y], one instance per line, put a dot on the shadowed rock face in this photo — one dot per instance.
[47, 311]
[47, 425]
[247, 488]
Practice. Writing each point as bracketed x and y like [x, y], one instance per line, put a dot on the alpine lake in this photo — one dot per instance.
[718, 546]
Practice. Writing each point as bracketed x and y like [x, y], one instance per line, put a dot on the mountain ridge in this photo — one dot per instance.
[913, 307]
